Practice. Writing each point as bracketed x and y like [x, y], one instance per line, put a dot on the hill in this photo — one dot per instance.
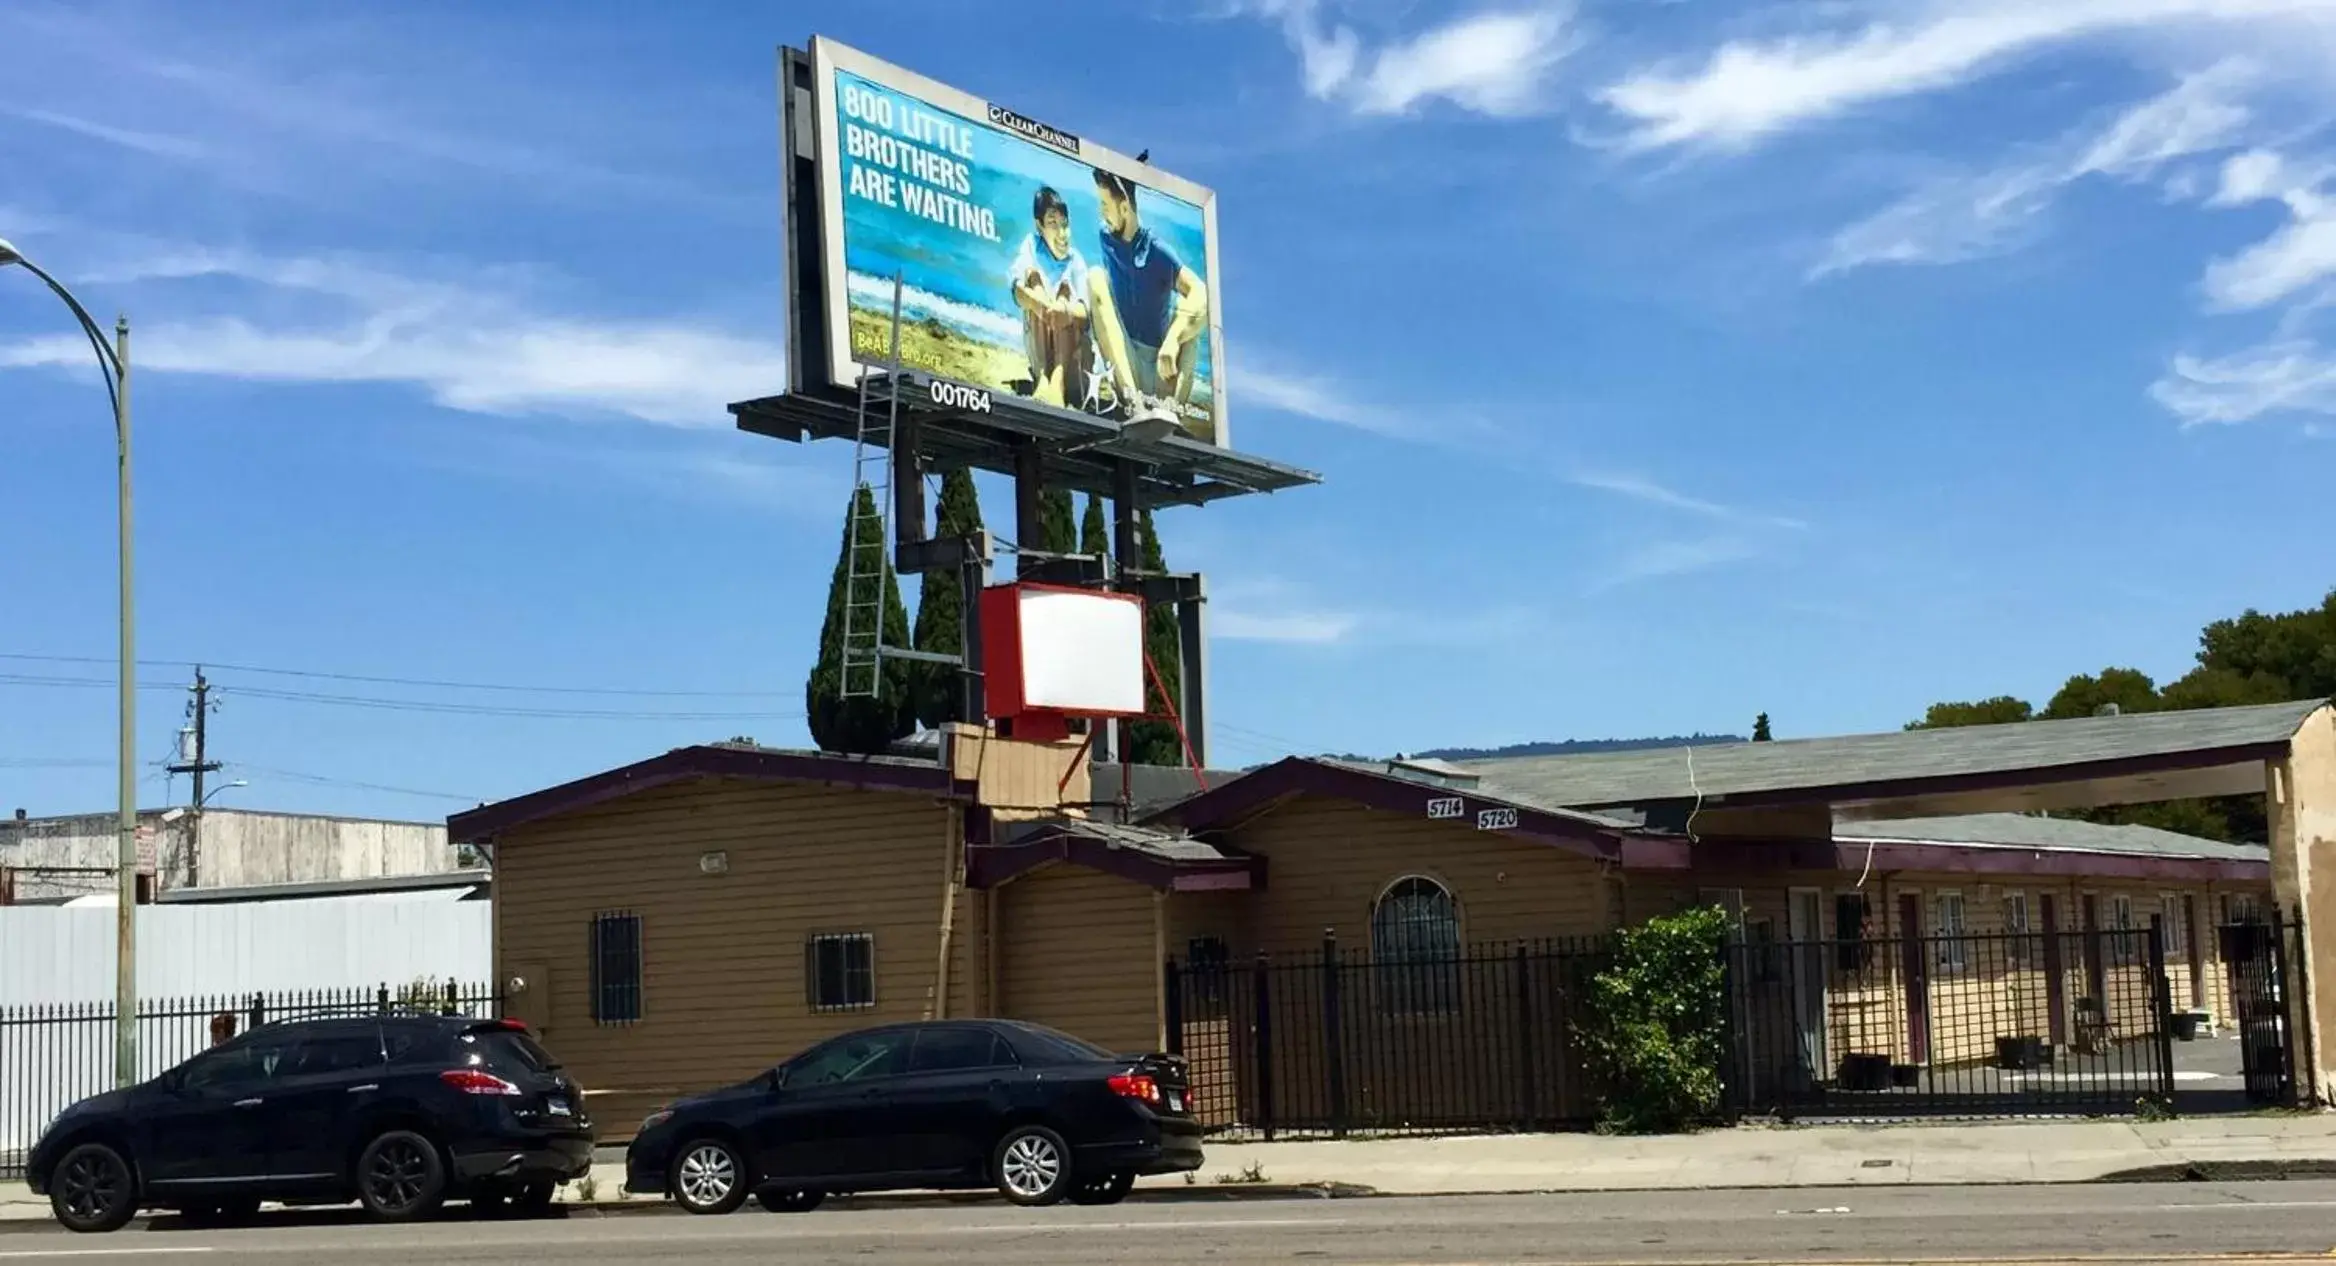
[1566, 747]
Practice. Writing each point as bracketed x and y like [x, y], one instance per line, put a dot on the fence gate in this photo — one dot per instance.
[2006, 1024]
[2256, 955]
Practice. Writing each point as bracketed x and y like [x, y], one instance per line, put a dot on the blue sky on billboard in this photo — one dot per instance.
[1669, 363]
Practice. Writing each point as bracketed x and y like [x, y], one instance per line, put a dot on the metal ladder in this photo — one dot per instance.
[868, 560]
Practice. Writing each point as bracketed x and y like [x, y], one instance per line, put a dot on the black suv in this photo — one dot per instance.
[399, 1112]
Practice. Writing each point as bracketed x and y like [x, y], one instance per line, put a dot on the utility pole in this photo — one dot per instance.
[197, 763]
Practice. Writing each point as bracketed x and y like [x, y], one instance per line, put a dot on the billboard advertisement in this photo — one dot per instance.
[1028, 261]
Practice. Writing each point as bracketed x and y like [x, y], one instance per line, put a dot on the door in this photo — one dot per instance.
[1804, 927]
[828, 1119]
[1914, 964]
[207, 1128]
[2055, 967]
[953, 1104]
[2190, 951]
[323, 1089]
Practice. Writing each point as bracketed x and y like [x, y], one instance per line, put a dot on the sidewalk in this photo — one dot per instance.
[1751, 1156]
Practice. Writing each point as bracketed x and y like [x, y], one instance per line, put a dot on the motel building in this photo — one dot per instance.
[688, 921]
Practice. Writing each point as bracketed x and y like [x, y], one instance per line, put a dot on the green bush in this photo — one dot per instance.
[1658, 1025]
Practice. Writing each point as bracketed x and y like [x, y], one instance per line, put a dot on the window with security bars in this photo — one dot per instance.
[1415, 948]
[616, 968]
[2124, 942]
[1851, 951]
[1954, 942]
[841, 971]
[2177, 925]
[2015, 924]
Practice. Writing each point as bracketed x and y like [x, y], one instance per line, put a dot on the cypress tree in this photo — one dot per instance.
[1094, 530]
[860, 726]
[1760, 732]
[1155, 742]
[1058, 523]
[940, 696]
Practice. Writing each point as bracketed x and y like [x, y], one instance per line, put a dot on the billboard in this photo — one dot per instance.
[1028, 261]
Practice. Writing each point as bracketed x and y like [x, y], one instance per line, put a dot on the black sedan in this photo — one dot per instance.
[1039, 1114]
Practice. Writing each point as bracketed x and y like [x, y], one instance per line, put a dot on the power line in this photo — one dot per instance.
[321, 780]
[448, 707]
[421, 682]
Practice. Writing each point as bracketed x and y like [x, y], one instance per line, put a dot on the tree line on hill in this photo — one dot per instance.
[2251, 658]
[913, 693]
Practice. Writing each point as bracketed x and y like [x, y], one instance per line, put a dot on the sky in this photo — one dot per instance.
[1666, 363]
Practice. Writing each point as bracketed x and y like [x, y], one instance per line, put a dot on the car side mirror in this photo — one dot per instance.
[776, 1079]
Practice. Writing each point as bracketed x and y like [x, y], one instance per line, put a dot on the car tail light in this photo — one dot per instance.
[471, 1081]
[1135, 1086]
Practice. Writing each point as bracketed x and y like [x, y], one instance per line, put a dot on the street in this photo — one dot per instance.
[2035, 1224]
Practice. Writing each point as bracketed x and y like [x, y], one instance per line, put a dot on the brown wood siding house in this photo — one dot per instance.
[686, 922]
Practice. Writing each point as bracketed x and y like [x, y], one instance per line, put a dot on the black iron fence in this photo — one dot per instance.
[52, 1057]
[1963, 1024]
[1332, 1043]
[2265, 962]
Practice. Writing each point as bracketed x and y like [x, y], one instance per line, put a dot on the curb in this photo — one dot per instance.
[647, 1206]
[2225, 1171]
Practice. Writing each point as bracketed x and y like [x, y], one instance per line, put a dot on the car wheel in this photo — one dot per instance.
[93, 1190]
[778, 1200]
[535, 1199]
[710, 1177]
[400, 1177]
[1109, 1189]
[1033, 1166]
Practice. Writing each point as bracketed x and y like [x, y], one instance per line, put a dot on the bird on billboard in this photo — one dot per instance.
[1144, 157]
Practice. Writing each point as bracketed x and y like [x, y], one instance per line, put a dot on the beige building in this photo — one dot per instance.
[689, 920]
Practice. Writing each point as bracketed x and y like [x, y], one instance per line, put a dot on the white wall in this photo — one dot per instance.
[52, 955]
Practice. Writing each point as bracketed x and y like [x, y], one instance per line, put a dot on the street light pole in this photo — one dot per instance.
[126, 847]
[115, 362]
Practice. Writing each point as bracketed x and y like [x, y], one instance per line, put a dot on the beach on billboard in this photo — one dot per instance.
[1027, 261]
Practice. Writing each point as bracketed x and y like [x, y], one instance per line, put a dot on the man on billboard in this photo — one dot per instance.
[1149, 309]
[1049, 282]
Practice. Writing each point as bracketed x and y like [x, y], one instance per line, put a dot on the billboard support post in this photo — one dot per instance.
[1127, 555]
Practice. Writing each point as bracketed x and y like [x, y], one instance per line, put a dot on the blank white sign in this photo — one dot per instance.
[1082, 652]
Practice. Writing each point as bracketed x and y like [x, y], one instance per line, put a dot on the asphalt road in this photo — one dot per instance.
[2029, 1225]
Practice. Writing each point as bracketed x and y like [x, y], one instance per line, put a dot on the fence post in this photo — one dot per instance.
[381, 999]
[2306, 1083]
[1172, 1004]
[1333, 1034]
[2161, 993]
[1260, 984]
[1735, 1080]
[259, 1011]
[1525, 1069]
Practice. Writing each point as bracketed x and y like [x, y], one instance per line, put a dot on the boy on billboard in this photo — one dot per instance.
[1049, 281]
[1149, 308]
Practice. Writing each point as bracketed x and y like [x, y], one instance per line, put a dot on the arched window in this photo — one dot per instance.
[1415, 948]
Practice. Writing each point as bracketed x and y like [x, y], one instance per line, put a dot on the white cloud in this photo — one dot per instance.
[154, 144]
[469, 349]
[1658, 559]
[2283, 376]
[1640, 488]
[1495, 63]
[1273, 384]
[2249, 177]
[1974, 215]
[1307, 628]
[2199, 115]
[2296, 258]
[1749, 91]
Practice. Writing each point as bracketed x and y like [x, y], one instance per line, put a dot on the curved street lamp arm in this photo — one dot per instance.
[106, 359]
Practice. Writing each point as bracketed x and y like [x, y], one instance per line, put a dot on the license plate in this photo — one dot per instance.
[1175, 1102]
[557, 1107]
